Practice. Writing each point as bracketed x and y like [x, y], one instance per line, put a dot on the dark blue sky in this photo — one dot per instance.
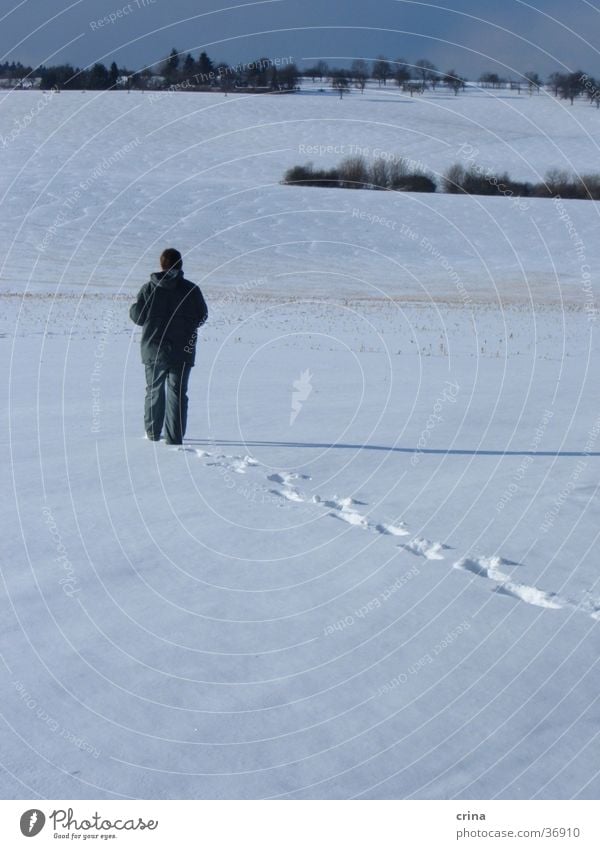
[470, 35]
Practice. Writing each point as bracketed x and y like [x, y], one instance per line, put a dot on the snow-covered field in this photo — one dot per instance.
[373, 569]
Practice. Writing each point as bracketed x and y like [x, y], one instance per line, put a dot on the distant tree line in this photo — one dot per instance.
[14, 70]
[177, 71]
[474, 180]
[66, 77]
[184, 71]
[261, 74]
[413, 78]
[419, 76]
[566, 86]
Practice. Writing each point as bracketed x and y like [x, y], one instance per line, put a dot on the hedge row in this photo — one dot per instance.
[400, 175]
[477, 181]
[356, 173]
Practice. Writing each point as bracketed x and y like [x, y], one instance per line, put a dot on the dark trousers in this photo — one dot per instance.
[172, 409]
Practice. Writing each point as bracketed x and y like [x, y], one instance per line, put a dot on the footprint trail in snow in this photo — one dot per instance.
[345, 509]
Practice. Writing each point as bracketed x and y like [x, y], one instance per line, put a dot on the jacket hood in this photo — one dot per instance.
[166, 279]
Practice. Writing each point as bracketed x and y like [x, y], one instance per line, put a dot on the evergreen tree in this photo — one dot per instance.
[113, 75]
[258, 74]
[171, 66]
[97, 77]
[189, 66]
[204, 65]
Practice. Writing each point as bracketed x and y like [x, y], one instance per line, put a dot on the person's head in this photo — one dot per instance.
[170, 260]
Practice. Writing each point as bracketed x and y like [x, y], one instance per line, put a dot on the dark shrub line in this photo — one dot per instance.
[478, 181]
[400, 176]
[355, 173]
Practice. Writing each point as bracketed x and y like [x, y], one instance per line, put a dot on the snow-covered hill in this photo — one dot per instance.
[372, 570]
[94, 183]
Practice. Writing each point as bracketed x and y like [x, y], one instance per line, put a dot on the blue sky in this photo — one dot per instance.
[509, 36]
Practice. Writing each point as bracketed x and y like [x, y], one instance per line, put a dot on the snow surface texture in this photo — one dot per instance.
[372, 569]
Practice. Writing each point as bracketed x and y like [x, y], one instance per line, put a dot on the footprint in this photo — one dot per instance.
[343, 508]
[289, 494]
[425, 548]
[351, 517]
[530, 595]
[239, 465]
[286, 478]
[277, 478]
[392, 530]
[490, 568]
[343, 504]
[485, 567]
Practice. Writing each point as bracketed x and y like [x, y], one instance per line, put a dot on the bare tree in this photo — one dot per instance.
[322, 69]
[571, 86]
[360, 73]
[533, 81]
[380, 173]
[491, 80]
[354, 173]
[401, 72]
[427, 71]
[339, 81]
[382, 70]
[554, 82]
[592, 90]
[288, 77]
[453, 81]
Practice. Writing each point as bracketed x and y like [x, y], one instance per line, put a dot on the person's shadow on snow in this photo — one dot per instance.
[461, 452]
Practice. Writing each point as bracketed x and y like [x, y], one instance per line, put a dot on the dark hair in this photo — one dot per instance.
[171, 259]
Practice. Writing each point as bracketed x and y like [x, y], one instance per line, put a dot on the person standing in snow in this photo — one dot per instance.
[170, 309]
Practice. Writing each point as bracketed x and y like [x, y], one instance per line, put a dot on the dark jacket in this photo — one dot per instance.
[170, 309]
